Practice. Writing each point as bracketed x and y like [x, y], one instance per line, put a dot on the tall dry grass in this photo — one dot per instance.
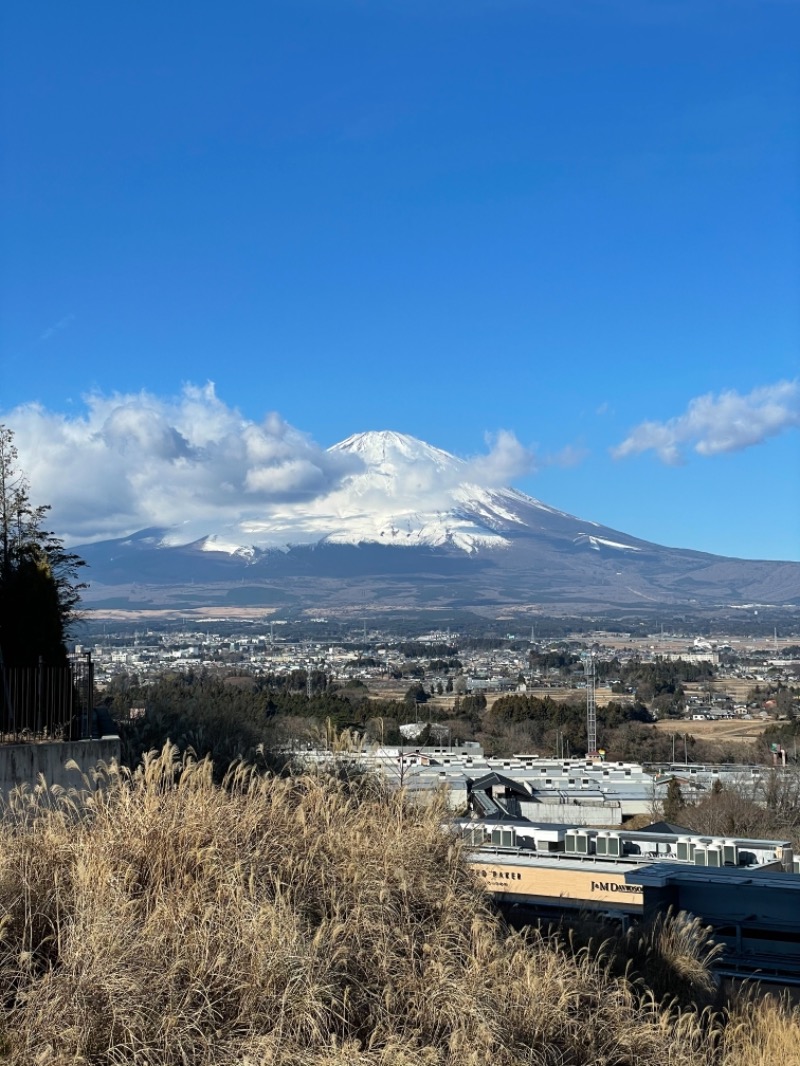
[165, 920]
[670, 956]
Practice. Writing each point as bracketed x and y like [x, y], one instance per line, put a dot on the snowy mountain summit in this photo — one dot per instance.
[411, 524]
[389, 451]
[400, 492]
[389, 489]
[410, 493]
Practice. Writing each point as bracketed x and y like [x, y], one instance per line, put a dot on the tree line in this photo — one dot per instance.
[39, 579]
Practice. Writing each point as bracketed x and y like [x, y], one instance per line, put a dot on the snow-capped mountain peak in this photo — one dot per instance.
[397, 491]
[480, 543]
[407, 493]
[401, 492]
[387, 449]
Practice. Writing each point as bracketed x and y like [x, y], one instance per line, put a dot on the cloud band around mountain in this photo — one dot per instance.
[131, 461]
[718, 424]
[192, 464]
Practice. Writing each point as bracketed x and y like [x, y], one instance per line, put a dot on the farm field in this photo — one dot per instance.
[725, 730]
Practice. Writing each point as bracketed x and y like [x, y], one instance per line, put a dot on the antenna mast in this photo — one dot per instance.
[588, 658]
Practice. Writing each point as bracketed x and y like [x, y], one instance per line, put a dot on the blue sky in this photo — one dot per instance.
[576, 222]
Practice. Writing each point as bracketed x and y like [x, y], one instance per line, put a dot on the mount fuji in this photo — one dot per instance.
[412, 525]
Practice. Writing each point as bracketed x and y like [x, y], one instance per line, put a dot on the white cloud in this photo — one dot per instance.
[713, 425]
[132, 461]
[195, 466]
[138, 430]
[506, 460]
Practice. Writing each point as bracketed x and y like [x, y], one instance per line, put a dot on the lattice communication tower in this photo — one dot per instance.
[588, 658]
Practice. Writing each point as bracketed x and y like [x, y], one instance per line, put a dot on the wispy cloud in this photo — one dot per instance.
[716, 424]
[568, 456]
[51, 331]
[509, 459]
[506, 460]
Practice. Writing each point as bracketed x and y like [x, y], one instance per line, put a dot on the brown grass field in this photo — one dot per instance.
[309, 921]
[724, 731]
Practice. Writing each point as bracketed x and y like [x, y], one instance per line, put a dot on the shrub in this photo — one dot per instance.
[170, 921]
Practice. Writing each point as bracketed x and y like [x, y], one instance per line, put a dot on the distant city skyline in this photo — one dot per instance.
[561, 237]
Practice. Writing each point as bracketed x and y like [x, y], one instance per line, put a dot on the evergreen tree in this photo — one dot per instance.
[674, 802]
[39, 587]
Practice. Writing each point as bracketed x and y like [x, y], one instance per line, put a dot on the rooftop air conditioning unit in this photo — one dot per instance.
[615, 846]
[685, 849]
[474, 835]
[714, 855]
[579, 843]
[730, 853]
[601, 843]
[700, 855]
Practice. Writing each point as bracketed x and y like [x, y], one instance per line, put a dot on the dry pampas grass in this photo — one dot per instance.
[163, 920]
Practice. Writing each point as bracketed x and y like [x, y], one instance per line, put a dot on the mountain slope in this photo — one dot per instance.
[413, 525]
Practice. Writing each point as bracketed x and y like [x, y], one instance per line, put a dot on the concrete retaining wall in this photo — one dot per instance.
[22, 763]
[573, 813]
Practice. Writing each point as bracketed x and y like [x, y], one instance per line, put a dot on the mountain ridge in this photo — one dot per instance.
[409, 524]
